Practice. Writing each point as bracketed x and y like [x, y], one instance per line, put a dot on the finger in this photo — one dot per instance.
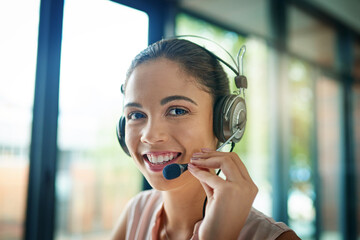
[205, 177]
[241, 166]
[207, 153]
[208, 190]
[224, 162]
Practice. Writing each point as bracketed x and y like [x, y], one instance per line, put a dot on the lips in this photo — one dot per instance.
[156, 161]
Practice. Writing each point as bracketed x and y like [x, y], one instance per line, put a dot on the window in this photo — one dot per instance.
[356, 120]
[328, 131]
[19, 22]
[251, 16]
[95, 178]
[310, 38]
[302, 158]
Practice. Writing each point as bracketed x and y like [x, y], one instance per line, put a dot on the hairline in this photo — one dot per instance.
[182, 70]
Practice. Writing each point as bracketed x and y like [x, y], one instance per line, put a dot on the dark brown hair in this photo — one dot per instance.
[193, 59]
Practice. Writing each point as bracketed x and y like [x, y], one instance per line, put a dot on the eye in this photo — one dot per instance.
[177, 111]
[135, 116]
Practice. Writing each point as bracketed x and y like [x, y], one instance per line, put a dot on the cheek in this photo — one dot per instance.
[130, 138]
[200, 131]
[208, 128]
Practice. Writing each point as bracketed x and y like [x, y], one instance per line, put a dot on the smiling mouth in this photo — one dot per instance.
[161, 159]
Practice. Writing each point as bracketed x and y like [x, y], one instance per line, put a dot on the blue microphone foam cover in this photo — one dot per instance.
[172, 171]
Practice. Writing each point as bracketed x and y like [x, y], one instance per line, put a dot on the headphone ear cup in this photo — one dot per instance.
[229, 117]
[218, 119]
[120, 133]
[235, 117]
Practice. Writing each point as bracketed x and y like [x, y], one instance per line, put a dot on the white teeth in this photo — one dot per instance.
[160, 159]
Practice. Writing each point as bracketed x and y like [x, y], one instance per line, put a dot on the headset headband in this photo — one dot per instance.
[240, 79]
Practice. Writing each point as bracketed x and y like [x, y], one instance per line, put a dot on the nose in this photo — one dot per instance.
[154, 132]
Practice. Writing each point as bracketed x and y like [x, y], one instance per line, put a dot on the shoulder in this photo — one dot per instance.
[143, 204]
[145, 198]
[289, 235]
[138, 212]
[260, 226]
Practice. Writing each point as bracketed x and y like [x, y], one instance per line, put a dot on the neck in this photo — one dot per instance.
[183, 207]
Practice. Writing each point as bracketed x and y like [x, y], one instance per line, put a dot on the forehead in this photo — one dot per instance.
[163, 77]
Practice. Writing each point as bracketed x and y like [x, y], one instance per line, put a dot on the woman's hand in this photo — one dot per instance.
[229, 201]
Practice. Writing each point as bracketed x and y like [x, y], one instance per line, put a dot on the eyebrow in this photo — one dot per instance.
[176, 97]
[163, 101]
[133, 104]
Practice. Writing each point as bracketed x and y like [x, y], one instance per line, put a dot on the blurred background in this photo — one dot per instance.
[62, 173]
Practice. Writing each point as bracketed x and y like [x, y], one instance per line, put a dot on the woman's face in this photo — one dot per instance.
[168, 118]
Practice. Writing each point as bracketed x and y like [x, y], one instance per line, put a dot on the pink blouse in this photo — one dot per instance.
[145, 211]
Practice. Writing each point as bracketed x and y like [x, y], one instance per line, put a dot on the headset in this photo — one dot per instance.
[230, 116]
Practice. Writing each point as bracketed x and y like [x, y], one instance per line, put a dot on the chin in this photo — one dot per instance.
[161, 184]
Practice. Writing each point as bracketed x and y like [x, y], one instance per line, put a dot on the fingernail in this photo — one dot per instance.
[197, 154]
[206, 150]
[194, 158]
[190, 167]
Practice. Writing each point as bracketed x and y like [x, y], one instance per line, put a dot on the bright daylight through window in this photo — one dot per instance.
[95, 178]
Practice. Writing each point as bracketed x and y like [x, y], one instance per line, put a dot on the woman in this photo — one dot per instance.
[169, 96]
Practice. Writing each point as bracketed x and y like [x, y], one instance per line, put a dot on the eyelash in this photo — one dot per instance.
[184, 111]
[130, 115]
[133, 114]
